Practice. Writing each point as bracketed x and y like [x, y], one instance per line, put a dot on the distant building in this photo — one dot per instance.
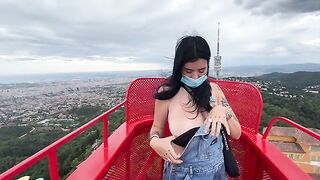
[302, 148]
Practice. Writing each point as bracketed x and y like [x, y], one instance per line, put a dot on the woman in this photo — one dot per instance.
[196, 110]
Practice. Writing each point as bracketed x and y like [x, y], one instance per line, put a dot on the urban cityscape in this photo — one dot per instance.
[47, 104]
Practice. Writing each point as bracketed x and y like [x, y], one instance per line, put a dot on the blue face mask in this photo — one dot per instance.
[193, 83]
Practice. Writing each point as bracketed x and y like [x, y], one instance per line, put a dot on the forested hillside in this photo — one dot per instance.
[14, 149]
[290, 95]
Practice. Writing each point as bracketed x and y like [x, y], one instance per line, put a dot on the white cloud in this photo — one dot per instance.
[314, 42]
[59, 66]
[145, 32]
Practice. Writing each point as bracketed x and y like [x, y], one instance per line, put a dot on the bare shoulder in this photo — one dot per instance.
[215, 86]
[162, 103]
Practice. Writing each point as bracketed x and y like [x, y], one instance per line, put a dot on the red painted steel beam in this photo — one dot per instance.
[101, 160]
[53, 165]
[292, 123]
[117, 144]
[92, 167]
[105, 132]
[278, 164]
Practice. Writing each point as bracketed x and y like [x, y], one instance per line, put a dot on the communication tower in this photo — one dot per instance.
[217, 59]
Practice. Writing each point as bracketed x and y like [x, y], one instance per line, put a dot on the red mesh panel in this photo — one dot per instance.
[239, 153]
[136, 160]
[246, 102]
[244, 98]
[140, 101]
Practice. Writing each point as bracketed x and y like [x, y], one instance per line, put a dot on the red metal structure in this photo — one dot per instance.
[126, 154]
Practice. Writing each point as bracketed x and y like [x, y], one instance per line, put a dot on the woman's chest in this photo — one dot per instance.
[183, 114]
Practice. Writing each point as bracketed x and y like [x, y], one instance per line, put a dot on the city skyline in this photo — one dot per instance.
[78, 36]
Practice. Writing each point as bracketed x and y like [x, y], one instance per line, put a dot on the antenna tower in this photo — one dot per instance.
[217, 58]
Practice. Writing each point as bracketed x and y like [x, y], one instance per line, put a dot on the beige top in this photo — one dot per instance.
[179, 119]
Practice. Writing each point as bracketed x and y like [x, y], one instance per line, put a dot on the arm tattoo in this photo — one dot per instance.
[212, 102]
[224, 102]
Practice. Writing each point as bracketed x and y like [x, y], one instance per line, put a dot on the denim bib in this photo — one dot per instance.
[202, 159]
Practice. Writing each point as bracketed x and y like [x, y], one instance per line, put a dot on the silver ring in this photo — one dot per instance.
[210, 120]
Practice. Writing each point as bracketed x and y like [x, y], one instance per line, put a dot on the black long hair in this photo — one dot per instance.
[188, 49]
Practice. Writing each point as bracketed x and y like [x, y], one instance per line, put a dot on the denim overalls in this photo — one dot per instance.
[202, 159]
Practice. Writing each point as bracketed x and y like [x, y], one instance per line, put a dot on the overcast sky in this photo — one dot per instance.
[46, 36]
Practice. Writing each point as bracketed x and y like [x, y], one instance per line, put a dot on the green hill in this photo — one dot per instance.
[294, 102]
[299, 79]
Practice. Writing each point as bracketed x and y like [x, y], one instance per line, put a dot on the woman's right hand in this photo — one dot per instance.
[163, 147]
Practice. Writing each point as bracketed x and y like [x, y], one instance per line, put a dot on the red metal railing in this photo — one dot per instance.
[51, 150]
[288, 121]
[128, 154]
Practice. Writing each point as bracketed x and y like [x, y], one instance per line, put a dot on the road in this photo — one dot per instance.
[33, 128]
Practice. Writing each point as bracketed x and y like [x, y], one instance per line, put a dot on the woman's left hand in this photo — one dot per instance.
[216, 118]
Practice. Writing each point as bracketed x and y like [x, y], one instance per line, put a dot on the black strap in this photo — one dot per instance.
[189, 90]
